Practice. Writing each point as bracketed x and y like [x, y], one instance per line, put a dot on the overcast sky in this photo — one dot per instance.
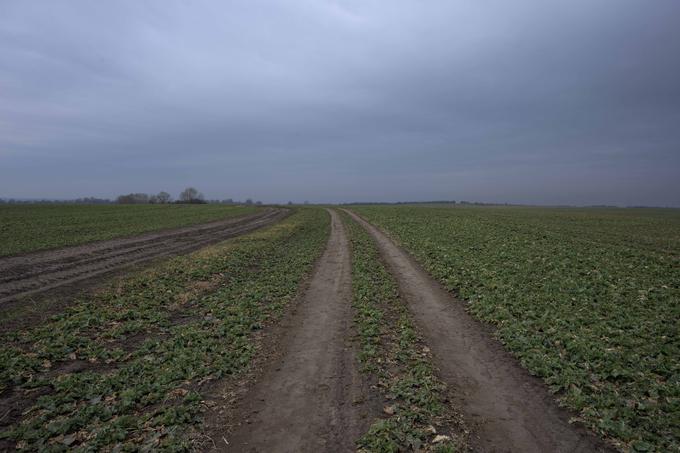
[546, 102]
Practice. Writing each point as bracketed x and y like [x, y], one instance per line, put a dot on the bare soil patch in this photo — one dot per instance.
[508, 409]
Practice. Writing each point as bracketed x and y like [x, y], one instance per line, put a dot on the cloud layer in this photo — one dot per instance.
[528, 101]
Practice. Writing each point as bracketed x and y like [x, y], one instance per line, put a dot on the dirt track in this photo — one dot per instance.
[510, 410]
[38, 272]
[313, 398]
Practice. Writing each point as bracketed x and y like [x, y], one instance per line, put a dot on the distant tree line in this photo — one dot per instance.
[190, 195]
[144, 198]
[249, 201]
[409, 202]
[86, 200]
[480, 203]
[463, 202]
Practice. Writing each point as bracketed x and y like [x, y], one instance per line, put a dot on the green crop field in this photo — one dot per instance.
[587, 299]
[143, 353]
[25, 228]
[392, 351]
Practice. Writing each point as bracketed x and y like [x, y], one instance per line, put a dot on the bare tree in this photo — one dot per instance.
[133, 198]
[191, 195]
[163, 197]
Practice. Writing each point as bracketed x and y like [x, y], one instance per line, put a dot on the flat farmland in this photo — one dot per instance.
[139, 363]
[377, 328]
[27, 228]
[586, 299]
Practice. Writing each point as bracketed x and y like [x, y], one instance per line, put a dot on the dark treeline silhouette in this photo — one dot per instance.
[453, 202]
[143, 198]
[190, 195]
[85, 200]
[133, 198]
[165, 198]
[409, 202]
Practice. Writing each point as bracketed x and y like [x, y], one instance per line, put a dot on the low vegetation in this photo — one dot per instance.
[30, 227]
[126, 368]
[587, 299]
[417, 417]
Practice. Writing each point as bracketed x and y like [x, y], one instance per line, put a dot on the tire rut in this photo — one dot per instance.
[509, 410]
[42, 271]
[314, 397]
[18, 267]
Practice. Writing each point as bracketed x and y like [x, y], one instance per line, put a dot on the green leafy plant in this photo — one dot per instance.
[30, 227]
[587, 299]
[145, 346]
[392, 351]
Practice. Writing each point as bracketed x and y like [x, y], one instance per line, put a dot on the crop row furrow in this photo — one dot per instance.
[89, 267]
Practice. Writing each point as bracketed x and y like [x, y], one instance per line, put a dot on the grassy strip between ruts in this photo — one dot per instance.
[145, 346]
[417, 416]
[30, 227]
[587, 299]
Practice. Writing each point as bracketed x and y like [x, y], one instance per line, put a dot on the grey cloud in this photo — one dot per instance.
[529, 101]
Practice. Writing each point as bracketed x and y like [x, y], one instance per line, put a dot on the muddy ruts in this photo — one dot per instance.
[38, 272]
[314, 398]
[509, 410]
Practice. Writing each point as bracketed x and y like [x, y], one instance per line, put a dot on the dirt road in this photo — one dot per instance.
[313, 398]
[38, 272]
[510, 411]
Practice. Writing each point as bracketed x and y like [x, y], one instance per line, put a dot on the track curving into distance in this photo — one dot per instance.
[38, 272]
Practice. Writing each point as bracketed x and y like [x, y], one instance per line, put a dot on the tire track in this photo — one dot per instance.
[510, 410]
[314, 398]
[43, 271]
[21, 267]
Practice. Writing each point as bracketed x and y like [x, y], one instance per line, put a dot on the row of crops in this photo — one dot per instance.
[29, 227]
[588, 299]
[417, 415]
[129, 366]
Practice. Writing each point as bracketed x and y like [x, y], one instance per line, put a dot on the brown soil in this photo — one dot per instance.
[509, 410]
[312, 397]
[64, 272]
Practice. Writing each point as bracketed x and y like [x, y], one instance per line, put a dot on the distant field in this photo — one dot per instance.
[25, 228]
[587, 299]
